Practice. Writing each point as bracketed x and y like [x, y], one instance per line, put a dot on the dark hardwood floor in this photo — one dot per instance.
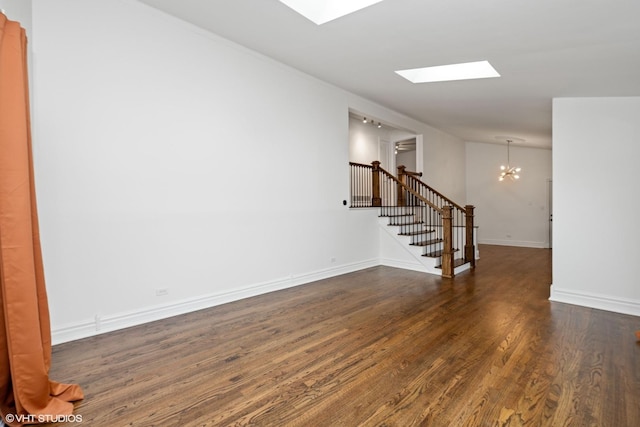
[379, 347]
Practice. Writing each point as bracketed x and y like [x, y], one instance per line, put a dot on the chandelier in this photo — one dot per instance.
[509, 171]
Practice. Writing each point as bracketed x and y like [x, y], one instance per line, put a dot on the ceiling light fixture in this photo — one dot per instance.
[322, 11]
[445, 73]
[509, 171]
[372, 122]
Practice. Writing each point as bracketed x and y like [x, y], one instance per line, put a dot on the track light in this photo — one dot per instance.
[372, 122]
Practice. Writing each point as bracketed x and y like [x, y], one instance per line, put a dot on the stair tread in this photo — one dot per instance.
[416, 233]
[427, 242]
[436, 254]
[406, 223]
[396, 215]
[456, 263]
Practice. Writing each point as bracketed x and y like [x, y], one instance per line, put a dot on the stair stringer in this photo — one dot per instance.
[397, 251]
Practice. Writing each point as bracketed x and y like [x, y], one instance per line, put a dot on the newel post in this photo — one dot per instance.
[469, 247]
[376, 200]
[401, 178]
[447, 237]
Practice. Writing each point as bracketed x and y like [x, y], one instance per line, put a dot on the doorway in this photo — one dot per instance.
[405, 152]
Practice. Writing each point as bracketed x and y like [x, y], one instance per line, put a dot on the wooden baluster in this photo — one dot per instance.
[447, 236]
[376, 200]
[469, 247]
[401, 177]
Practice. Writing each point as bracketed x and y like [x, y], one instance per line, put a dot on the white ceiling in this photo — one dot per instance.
[542, 48]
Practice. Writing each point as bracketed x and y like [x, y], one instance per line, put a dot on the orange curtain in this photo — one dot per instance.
[27, 396]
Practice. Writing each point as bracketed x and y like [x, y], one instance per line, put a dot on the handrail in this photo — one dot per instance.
[412, 191]
[437, 193]
[360, 164]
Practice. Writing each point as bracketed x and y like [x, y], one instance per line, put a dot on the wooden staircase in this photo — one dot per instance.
[438, 233]
[420, 241]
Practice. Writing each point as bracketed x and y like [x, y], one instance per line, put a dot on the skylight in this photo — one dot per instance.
[444, 73]
[321, 11]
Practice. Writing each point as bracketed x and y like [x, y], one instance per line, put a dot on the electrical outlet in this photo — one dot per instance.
[162, 292]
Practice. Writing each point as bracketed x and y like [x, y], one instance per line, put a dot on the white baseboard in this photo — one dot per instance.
[517, 243]
[114, 322]
[600, 302]
[405, 265]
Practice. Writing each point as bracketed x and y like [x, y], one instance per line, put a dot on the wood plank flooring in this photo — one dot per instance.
[379, 347]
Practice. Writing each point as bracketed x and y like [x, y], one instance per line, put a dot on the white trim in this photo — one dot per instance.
[114, 322]
[389, 262]
[600, 302]
[405, 265]
[518, 243]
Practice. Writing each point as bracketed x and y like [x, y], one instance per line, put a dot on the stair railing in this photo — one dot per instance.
[427, 216]
[362, 185]
[373, 186]
[462, 217]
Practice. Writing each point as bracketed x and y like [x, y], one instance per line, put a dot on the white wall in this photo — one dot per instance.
[444, 165]
[364, 142]
[139, 122]
[511, 213]
[596, 148]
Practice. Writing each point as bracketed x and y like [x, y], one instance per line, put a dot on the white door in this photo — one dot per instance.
[384, 155]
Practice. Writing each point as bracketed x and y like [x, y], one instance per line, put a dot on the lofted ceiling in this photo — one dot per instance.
[542, 49]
